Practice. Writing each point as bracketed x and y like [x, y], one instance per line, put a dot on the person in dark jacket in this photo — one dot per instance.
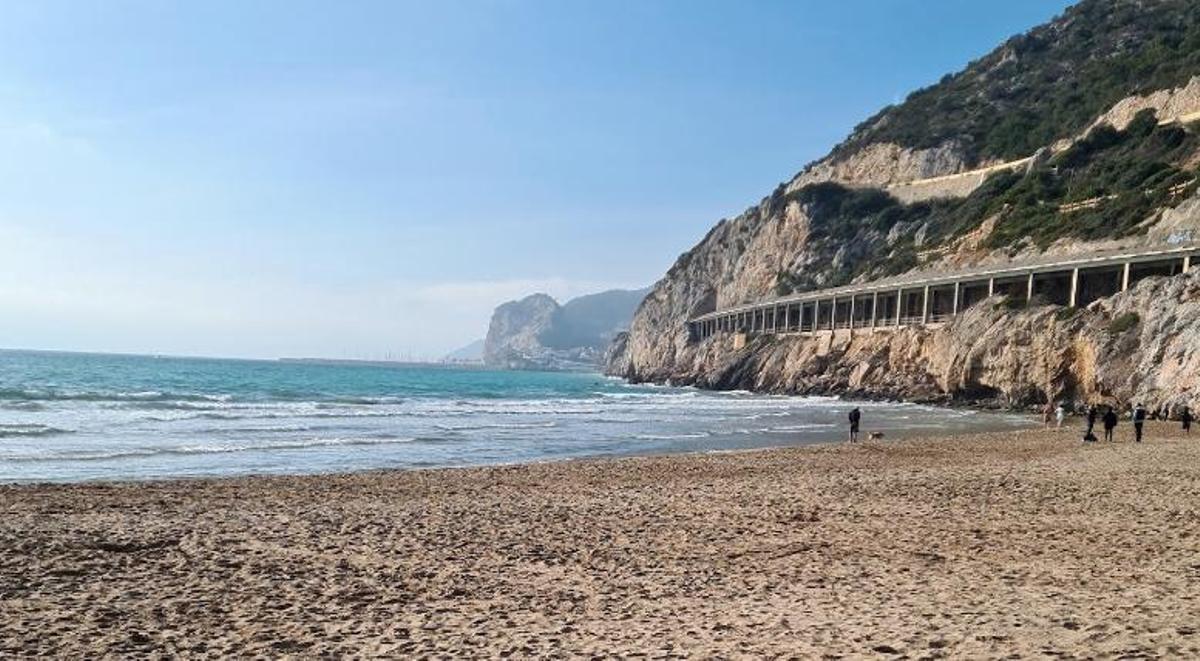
[1186, 418]
[1110, 423]
[1139, 419]
[1092, 414]
[855, 417]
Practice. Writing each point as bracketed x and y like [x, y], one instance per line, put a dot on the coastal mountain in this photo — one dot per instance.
[538, 333]
[471, 353]
[1078, 136]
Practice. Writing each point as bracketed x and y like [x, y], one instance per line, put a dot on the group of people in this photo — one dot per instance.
[1109, 419]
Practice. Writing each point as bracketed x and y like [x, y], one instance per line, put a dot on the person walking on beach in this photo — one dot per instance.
[1047, 413]
[1186, 418]
[1060, 414]
[1089, 436]
[1139, 419]
[1110, 423]
[855, 417]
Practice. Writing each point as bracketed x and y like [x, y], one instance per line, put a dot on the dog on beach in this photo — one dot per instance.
[875, 436]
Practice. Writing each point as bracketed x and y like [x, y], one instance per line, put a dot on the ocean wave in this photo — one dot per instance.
[589, 410]
[24, 405]
[362, 401]
[52, 395]
[621, 382]
[809, 426]
[283, 414]
[786, 429]
[161, 405]
[498, 425]
[595, 404]
[671, 437]
[171, 399]
[27, 431]
[208, 449]
[774, 414]
[650, 396]
[269, 429]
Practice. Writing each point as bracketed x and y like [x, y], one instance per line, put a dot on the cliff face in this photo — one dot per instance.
[537, 333]
[512, 337]
[896, 197]
[1142, 345]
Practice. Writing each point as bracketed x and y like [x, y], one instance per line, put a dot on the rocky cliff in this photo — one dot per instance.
[538, 333]
[1071, 123]
[1142, 345]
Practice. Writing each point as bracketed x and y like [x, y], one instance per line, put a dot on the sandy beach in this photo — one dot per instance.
[996, 545]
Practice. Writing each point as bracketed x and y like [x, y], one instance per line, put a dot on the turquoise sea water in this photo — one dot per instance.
[91, 416]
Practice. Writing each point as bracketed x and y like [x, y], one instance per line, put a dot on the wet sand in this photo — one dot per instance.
[991, 545]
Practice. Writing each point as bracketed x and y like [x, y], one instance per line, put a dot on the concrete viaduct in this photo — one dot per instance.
[925, 299]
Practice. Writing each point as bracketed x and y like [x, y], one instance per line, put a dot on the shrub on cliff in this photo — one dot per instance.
[1011, 303]
[1123, 323]
[1066, 313]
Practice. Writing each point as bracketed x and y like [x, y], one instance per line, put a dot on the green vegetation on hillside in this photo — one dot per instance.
[1129, 173]
[1118, 179]
[1049, 83]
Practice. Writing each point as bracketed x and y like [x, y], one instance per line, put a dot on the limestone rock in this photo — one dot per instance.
[989, 355]
[512, 338]
[883, 164]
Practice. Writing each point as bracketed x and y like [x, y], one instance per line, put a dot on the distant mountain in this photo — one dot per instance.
[471, 353]
[592, 320]
[538, 333]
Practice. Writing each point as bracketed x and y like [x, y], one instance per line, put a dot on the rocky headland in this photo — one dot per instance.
[539, 334]
[973, 171]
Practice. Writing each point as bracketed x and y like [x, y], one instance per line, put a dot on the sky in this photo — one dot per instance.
[369, 179]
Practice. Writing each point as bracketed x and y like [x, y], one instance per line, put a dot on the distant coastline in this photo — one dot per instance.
[353, 362]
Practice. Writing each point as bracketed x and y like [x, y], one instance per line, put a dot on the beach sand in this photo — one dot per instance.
[993, 545]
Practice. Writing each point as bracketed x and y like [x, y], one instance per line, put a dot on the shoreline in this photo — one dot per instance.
[975, 545]
[895, 437]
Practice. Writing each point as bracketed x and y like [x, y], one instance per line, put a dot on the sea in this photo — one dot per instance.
[68, 417]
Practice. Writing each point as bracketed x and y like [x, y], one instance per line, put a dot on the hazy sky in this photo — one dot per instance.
[346, 179]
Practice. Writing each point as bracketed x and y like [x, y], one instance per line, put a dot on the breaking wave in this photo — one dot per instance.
[210, 449]
[27, 431]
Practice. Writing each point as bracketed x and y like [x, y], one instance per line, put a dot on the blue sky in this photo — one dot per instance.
[354, 179]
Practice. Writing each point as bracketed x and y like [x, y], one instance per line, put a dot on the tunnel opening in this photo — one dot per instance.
[886, 315]
[842, 312]
[1095, 284]
[1143, 270]
[941, 303]
[1053, 288]
[971, 293]
[1015, 289]
[864, 308]
[824, 315]
[912, 307]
